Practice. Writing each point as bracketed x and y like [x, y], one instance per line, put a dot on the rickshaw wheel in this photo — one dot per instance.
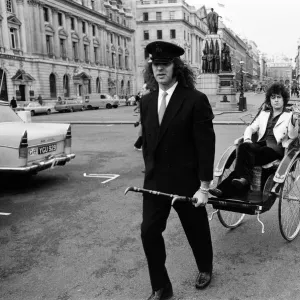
[289, 203]
[229, 219]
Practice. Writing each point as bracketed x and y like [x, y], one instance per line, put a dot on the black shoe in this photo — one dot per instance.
[216, 192]
[163, 293]
[203, 280]
[239, 183]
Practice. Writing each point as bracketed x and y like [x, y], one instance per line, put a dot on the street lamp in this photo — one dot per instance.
[242, 99]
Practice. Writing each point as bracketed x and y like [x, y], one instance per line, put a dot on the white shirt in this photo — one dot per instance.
[170, 92]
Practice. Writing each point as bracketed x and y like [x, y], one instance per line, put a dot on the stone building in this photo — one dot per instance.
[65, 48]
[280, 70]
[173, 21]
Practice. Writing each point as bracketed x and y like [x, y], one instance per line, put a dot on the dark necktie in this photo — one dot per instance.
[162, 108]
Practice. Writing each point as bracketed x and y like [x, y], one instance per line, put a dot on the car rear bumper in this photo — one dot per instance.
[42, 165]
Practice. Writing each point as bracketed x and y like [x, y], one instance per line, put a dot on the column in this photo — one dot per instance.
[5, 31]
[37, 30]
[193, 43]
[42, 31]
[99, 55]
[102, 45]
[20, 5]
[69, 38]
[90, 33]
[80, 42]
[56, 49]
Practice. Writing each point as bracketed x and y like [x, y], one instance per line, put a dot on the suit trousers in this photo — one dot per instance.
[156, 210]
[253, 154]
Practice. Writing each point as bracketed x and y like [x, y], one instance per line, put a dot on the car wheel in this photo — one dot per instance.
[71, 109]
[82, 109]
[32, 113]
[48, 111]
[108, 106]
[90, 107]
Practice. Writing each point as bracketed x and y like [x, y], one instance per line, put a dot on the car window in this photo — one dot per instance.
[8, 115]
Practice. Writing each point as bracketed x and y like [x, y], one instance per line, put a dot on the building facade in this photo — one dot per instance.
[65, 48]
[172, 21]
[280, 71]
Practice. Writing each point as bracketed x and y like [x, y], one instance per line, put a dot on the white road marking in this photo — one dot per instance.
[4, 214]
[108, 176]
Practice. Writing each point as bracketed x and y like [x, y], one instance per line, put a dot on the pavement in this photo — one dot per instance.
[125, 115]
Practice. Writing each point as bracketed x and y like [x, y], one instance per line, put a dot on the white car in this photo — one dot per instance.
[36, 108]
[27, 148]
[97, 100]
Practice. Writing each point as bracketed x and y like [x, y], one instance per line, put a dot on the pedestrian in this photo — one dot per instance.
[178, 151]
[40, 99]
[13, 103]
[139, 142]
[275, 125]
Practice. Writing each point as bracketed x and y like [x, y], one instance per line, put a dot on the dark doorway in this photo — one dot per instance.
[66, 86]
[52, 82]
[22, 92]
[3, 86]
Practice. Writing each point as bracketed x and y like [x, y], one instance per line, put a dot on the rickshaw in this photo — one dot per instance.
[279, 179]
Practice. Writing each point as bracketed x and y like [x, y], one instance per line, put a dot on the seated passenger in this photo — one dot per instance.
[274, 126]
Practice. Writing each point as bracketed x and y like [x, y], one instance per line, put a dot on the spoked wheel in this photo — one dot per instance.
[289, 203]
[229, 219]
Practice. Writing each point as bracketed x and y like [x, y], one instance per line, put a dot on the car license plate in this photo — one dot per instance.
[47, 148]
[42, 149]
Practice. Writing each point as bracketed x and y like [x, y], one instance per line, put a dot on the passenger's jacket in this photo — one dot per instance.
[283, 129]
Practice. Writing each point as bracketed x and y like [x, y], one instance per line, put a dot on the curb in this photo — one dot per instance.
[108, 123]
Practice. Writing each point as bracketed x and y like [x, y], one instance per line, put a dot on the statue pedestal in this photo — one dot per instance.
[226, 94]
[208, 84]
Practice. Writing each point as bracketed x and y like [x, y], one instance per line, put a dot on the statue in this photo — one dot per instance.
[204, 62]
[210, 59]
[217, 58]
[212, 20]
[225, 58]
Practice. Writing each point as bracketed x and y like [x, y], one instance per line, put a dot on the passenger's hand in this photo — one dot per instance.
[201, 197]
[247, 141]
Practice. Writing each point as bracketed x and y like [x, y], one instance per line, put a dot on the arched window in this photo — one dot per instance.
[3, 86]
[128, 92]
[98, 85]
[52, 81]
[66, 86]
[90, 86]
[122, 87]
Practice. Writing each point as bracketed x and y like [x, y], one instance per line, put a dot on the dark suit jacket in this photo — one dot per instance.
[180, 152]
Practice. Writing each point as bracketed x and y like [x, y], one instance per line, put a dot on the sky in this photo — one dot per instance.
[274, 25]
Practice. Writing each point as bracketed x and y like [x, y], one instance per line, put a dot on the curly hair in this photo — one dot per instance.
[277, 88]
[183, 72]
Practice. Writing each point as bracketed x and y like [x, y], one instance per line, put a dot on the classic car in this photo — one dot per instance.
[97, 100]
[27, 148]
[69, 105]
[36, 108]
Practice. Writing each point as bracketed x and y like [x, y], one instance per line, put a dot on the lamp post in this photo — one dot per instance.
[242, 99]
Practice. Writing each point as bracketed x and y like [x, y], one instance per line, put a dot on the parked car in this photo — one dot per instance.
[28, 148]
[69, 105]
[36, 108]
[97, 100]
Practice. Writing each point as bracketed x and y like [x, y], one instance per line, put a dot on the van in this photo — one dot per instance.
[96, 100]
